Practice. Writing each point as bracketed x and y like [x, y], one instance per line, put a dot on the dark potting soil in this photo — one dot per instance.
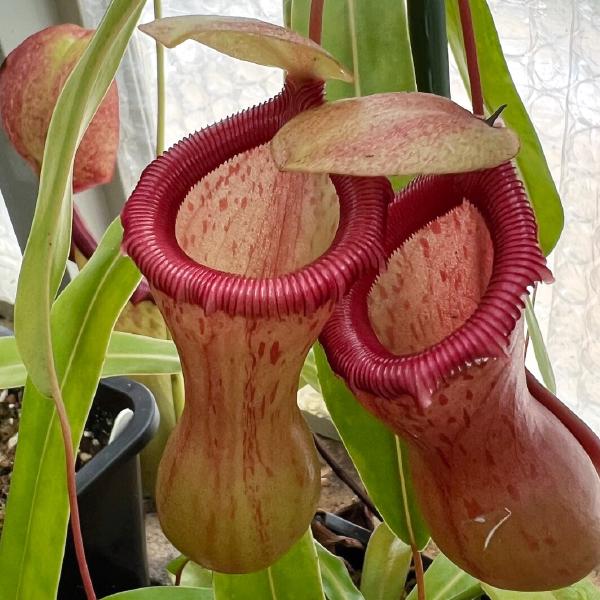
[95, 436]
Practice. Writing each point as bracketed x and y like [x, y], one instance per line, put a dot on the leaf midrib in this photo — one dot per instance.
[65, 378]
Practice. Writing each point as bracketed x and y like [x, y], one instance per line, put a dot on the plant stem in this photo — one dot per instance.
[160, 87]
[71, 485]
[470, 45]
[179, 573]
[339, 471]
[315, 25]
[354, 44]
[429, 45]
[419, 572]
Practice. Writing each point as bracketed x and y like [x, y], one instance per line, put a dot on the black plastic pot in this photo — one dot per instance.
[344, 527]
[110, 498]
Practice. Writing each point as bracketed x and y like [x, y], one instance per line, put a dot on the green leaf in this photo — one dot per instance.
[336, 580]
[131, 354]
[539, 347]
[193, 575]
[48, 244]
[445, 581]
[12, 369]
[309, 374]
[127, 354]
[37, 510]
[582, 590]
[296, 570]
[164, 593]
[177, 563]
[357, 35]
[287, 13]
[386, 566]
[378, 455]
[498, 89]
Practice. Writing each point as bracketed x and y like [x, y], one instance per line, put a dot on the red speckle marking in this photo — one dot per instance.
[426, 249]
[532, 543]
[444, 438]
[466, 417]
[436, 227]
[443, 457]
[443, 399]
[223, 204]
[514, 492]
[275, 352]
[261, 349]
[443, 275]
[473, 508]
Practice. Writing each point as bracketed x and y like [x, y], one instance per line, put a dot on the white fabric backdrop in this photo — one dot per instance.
[553, 50]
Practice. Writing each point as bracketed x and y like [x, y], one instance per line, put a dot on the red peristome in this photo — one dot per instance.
[150, 215]
[246, 264]
[518, 263]
[434, 347]
[31, 79]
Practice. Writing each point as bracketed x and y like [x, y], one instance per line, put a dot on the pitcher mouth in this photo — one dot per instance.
[353, 348]
[149, 220]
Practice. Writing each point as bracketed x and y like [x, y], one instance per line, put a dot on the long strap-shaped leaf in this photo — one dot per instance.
[378, 455]
[359, 36]
[386, 566]
[165, 593]
[48, 244]
[445, 581]
[127, 354]
[37, 511]
[336, 580]
[582, 590]
[296, 574]
[539, 347]
[498, 89]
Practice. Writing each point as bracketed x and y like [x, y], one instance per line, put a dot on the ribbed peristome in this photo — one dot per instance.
[433, 345]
